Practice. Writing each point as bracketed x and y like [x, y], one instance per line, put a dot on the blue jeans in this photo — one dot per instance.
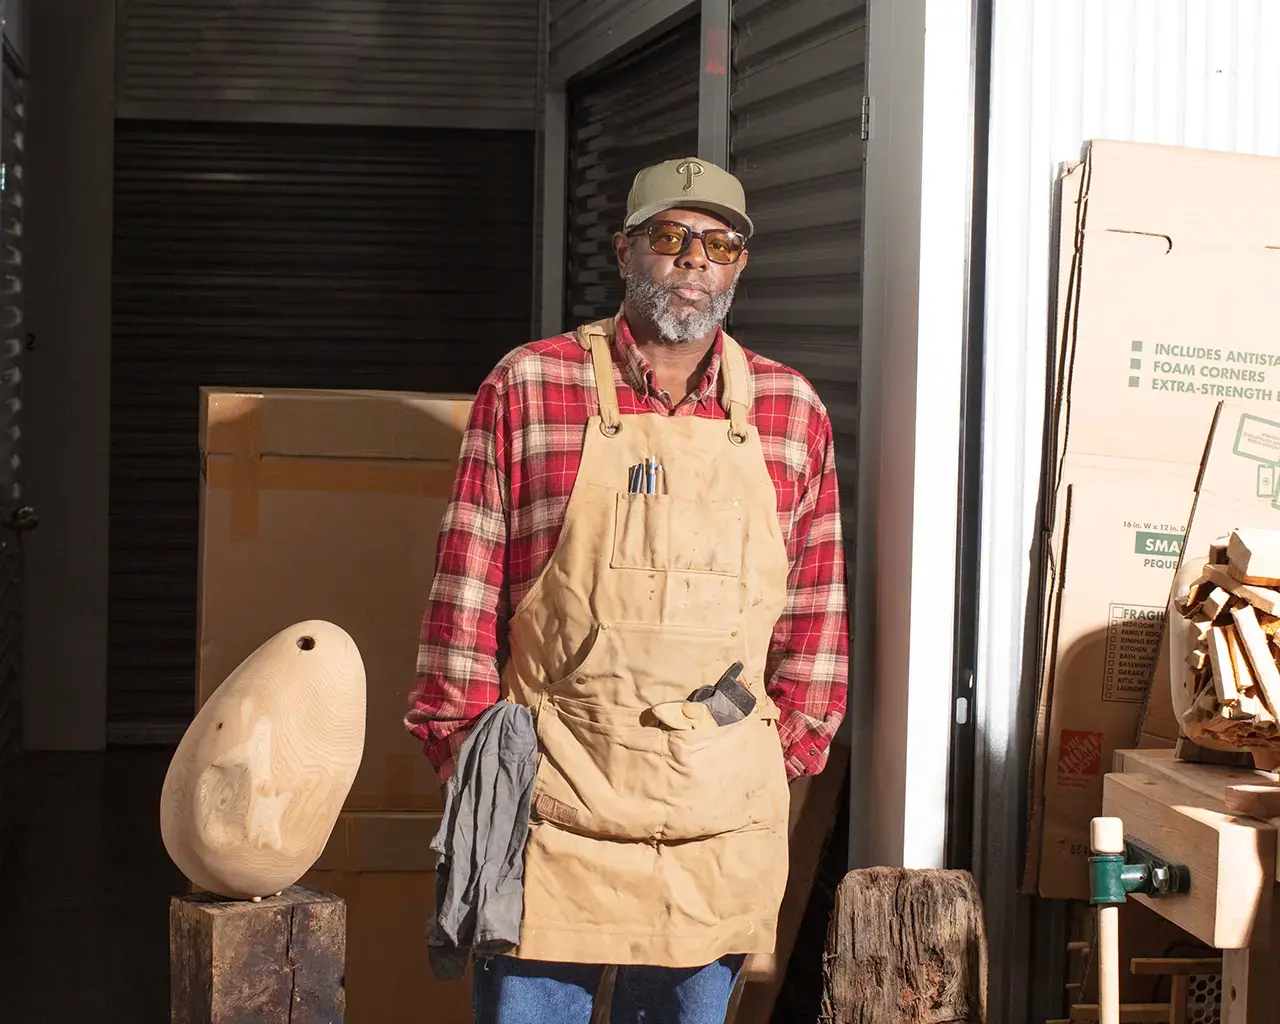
[511, 991]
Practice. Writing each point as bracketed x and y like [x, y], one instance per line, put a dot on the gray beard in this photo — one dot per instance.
[651, 300]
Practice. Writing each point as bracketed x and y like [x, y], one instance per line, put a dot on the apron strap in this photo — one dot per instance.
[596, 338]
[737, 388]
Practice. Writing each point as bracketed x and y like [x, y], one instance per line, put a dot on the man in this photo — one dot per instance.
[644, 510]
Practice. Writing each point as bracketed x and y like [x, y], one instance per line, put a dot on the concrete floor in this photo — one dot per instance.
[84, 896]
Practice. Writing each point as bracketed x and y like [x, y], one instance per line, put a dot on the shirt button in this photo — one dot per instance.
[812, 750]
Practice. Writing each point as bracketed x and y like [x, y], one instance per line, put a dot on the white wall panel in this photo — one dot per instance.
[1201, 73]
[911, 351]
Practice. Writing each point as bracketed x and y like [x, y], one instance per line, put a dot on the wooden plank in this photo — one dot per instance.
[1218, 551]
[1232, 860]
[1253, 556]
[1262, 801]
[1130, 1013]
[1256, 649]
[1262, 598]
[1179, 990]
[1224, 673]
[1167, 965]
[280, 961]
[1240, 664]
[1209, 780]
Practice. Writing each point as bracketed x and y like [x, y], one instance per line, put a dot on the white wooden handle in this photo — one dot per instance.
[1106, 836]
[1109, 965]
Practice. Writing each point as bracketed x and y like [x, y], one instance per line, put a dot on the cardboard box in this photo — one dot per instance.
[1165, 310]
[381, 865]
[1114, 585]
[327, 505]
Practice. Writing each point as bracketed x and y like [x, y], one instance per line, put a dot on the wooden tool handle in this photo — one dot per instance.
[1106, 836]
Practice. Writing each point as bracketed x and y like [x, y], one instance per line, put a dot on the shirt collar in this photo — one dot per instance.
[639, 372]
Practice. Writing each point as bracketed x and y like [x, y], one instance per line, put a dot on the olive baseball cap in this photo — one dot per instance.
[689, 183]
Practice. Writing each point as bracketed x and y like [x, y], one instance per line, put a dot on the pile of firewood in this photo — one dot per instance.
[1235, 619]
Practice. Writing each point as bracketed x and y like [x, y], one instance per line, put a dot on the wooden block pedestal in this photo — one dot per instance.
[279, 961]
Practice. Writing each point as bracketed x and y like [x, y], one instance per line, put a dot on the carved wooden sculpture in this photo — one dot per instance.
[255, 787]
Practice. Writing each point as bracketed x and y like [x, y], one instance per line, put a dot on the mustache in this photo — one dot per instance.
[671, 284]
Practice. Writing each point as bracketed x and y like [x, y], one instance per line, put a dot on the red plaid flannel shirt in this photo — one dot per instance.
[519, 459]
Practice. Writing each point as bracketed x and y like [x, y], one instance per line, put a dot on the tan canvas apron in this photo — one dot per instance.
[657, 837]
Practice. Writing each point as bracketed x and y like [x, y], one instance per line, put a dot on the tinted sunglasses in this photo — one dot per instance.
[669, 238]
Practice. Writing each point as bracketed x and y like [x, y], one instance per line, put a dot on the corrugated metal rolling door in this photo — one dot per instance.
[468, 63]
[799, 74]
[277, 256]
[643, 109]
[573, 21]
[16, 516]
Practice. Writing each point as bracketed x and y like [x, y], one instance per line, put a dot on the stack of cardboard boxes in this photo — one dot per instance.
[327, 505]
[1169, 263]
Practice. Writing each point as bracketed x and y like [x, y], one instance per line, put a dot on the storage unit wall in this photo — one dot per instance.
[1205, 75]
[327, 193]
[642, 108]
[799, 75]
[15, 515]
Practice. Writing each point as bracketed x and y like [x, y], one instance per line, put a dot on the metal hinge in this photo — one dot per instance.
[866, 118]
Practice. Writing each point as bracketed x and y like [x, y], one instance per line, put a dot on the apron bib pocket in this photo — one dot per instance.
[661, 532]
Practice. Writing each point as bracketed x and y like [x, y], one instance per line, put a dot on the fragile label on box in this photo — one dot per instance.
[1133, 641]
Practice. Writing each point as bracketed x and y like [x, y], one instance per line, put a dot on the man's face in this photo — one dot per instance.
[687, 296]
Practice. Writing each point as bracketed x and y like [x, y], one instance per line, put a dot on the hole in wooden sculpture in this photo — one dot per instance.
[306, 643]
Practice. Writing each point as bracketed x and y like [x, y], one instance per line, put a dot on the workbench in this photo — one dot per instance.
[1177, 810]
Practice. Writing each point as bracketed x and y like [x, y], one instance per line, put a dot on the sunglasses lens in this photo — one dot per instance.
[722, 246]
[668, 239]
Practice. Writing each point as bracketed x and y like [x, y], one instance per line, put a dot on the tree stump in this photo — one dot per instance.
[906, 947]
[279, 961]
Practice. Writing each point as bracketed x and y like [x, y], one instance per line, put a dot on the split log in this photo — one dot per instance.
[278, 961]
[1231, 625]
[1262, 598]
[1253, 556]
[1218, 551]
[906, 947]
